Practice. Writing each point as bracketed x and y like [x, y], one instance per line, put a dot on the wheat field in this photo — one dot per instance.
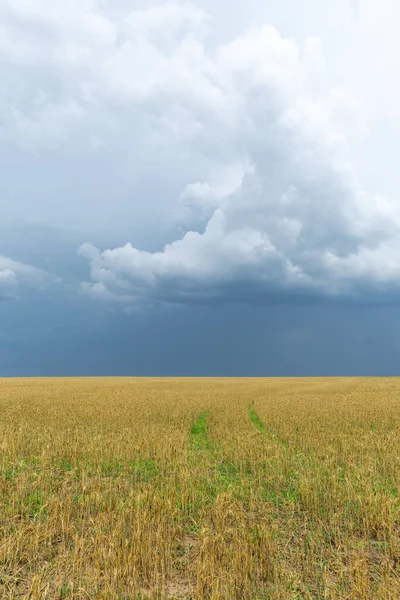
[257, 489]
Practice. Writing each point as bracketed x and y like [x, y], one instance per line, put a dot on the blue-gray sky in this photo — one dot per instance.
[199, 188]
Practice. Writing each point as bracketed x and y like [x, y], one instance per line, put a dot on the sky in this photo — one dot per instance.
[199, 188]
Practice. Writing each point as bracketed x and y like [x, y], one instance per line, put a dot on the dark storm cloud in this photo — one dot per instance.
[58, 338]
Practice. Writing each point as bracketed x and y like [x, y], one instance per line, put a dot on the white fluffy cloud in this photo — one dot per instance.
[281, 213]
[14, 274]
[270, 204]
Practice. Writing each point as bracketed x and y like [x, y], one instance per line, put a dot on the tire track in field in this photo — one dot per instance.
[225, 527]
[211, 472]
[198, 434]
[263, 428]
[287, 489]
[197, 497]
[182, 582]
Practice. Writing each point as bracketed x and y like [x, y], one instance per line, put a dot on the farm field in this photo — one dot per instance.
[200, 489]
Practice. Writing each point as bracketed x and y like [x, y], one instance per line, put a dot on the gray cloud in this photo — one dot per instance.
[219, 170]
[257, 195]
[291, 220]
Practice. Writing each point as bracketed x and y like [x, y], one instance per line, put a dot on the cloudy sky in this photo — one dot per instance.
[199, 188]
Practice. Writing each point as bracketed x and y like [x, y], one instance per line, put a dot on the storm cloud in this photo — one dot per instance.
[160, 158]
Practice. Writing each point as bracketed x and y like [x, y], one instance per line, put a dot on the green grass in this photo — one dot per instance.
[143, 470]
[198, 433]
[255, 419]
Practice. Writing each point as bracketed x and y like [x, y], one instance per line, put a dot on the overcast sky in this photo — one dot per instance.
[199, 188]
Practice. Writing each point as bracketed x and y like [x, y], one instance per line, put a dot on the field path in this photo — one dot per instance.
[262, 427]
